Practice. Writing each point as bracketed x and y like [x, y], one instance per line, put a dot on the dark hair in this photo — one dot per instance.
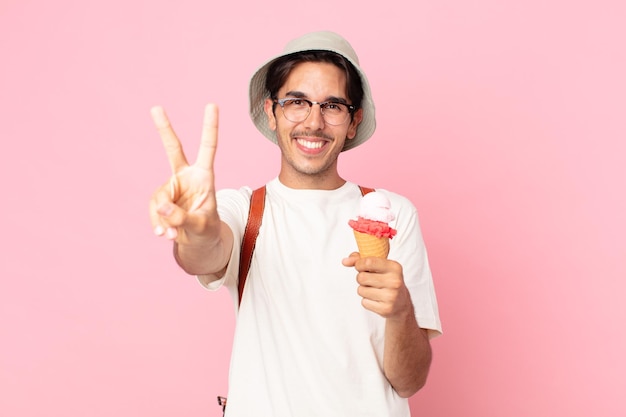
[279, 70]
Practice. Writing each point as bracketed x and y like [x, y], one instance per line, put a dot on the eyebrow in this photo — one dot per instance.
[332, 99]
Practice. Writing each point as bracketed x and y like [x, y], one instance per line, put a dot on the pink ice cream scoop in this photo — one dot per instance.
[371, 229]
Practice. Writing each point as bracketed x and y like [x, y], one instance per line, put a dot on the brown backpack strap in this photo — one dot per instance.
[257, 205]
[365, 190]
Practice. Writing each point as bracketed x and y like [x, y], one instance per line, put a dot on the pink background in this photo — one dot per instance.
[502, 121]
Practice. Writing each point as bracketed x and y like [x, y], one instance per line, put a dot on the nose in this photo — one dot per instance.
[315, 120]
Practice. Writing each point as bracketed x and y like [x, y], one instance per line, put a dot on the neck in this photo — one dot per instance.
[320, 181]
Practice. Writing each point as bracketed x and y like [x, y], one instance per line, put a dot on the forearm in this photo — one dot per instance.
[407, 355]
[205, 255]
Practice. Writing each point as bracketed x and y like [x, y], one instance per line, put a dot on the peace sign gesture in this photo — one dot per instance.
[184, 209]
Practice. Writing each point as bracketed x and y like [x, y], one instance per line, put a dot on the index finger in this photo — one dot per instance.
[171, 143]
[208, 142]
[372, 264]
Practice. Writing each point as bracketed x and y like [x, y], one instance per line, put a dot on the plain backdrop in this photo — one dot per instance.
[503, 121]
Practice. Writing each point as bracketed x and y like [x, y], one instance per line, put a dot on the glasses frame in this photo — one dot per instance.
[281, 102]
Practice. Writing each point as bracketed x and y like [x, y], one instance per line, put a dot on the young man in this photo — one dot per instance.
[320, 331]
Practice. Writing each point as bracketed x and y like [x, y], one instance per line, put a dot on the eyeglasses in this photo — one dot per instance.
[296, 110]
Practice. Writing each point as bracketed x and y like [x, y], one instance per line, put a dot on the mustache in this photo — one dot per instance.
[316, 134]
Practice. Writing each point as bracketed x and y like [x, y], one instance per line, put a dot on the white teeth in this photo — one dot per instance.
[310, 145]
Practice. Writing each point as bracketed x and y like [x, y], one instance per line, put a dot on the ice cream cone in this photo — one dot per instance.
[370, 245]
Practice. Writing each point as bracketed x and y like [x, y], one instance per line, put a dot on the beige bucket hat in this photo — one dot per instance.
[315, 41]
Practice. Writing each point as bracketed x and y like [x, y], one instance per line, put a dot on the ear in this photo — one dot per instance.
[269, 111]
[356, 120]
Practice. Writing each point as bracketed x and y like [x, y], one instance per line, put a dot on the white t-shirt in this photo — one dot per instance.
[304, 345]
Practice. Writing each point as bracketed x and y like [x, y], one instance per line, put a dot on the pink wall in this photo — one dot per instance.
[502, 121]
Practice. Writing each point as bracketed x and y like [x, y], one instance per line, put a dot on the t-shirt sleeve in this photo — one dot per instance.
[408, 248]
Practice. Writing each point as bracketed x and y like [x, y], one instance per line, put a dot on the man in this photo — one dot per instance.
[320, 331]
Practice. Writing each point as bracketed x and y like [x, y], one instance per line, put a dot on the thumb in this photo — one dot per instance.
[351, 259]
[171, 215]
[183, 224]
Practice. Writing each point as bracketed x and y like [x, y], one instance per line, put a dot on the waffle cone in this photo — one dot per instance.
[371, 245]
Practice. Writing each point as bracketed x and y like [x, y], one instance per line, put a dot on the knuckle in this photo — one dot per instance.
[369, 263]
[395, 283]
[359, 291]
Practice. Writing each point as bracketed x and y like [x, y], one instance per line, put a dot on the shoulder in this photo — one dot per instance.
[399, 202]
[233, 204]
[232, 195]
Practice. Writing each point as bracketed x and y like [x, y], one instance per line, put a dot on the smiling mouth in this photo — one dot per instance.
[311, 144]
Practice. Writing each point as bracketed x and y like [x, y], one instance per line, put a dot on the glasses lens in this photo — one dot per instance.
[296, 110]
[335, 113]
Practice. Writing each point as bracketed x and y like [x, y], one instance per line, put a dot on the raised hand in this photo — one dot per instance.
[184, 209]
